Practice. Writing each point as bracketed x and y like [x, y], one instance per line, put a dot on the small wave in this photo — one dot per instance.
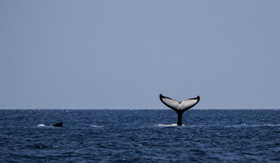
[272, 124]
[41, 125]
[95, 126]
[168, 125]
[253, 125]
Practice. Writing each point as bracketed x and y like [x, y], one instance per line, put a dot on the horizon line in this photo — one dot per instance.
[135, 109]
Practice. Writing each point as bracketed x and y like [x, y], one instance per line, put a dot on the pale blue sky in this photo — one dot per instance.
[123, 54]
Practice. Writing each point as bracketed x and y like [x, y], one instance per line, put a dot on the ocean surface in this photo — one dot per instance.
[139, 136]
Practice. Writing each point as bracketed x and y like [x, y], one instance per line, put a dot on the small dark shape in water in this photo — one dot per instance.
[58, 125]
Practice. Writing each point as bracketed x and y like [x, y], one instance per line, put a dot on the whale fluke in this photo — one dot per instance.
[58, 125]
[179, 107]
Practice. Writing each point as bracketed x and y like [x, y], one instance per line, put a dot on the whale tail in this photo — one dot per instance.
[179, 107]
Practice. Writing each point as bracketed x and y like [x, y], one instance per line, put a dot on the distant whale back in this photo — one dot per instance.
[58, 125]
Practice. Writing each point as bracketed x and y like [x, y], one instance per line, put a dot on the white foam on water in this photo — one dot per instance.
[167, 125]
[272, 124]
[41, 125]
[95, 126]
[253, 125]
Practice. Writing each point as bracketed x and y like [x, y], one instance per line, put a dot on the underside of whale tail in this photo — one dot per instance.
[179, 107]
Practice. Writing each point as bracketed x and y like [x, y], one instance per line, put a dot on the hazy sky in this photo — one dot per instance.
[123, 54]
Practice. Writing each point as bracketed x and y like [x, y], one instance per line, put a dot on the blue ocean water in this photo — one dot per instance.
[139, 136]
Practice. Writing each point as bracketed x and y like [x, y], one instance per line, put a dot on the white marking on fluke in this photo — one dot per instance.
[179, 107]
